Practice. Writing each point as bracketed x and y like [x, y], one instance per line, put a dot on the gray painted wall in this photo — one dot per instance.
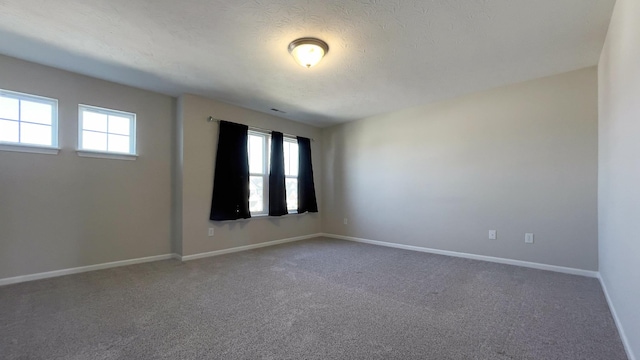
[64, 211]
[521, 158]
[619, 168]
[197, 145]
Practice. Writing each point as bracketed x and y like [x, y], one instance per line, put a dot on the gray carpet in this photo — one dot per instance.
[315, 299]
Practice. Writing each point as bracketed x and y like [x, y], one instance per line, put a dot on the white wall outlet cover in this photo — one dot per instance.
[346, 221]
[210, 231]
[528, 238]
[493, 234]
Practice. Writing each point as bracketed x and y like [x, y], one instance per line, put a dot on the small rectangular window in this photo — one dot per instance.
[106, 131]
[258, 146]
[28, 120]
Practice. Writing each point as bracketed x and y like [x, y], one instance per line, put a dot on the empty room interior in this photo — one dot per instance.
[293, 179]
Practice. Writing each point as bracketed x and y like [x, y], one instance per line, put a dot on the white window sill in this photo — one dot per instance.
[36, 149]
[291, 212]
[262, 217]
[106, 155]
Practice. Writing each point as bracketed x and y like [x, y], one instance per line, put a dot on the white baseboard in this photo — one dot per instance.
[616, 319]
[539, 266]
[246, 247]
[81, 269]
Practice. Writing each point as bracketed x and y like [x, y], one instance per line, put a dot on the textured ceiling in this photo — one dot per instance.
[384, 55]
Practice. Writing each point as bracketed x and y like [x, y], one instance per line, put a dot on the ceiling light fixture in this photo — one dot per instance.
[308, 51]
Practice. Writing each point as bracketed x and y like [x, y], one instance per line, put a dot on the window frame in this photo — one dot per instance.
[266, 161]
[27, 147]
[266, 156]
[292, 140]
[133, 134]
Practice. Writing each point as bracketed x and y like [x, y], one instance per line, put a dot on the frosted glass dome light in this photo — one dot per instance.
[308, 51]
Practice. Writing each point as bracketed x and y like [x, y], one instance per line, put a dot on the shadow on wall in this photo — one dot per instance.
[334, 169]
[32, 50]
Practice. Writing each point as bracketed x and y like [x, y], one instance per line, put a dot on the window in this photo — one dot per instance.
[258, 146]
[291, 172]
[28, 120]
[106, 131]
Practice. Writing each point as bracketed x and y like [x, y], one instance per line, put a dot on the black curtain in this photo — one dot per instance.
[230, 199]
[277, 192]
[306, 188]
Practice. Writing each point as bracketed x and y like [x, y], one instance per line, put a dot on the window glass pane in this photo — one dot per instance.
[119, 125]
[256, 194]
[256, 148]
[9, 131]
[9, 108]
[35, 134]
[293, 160]
[94, 141]
[94, 121]
[292, 193]
[285, 150]
[119, 143]
[35, 112]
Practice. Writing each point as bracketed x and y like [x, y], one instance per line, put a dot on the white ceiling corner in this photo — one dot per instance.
[384, 55]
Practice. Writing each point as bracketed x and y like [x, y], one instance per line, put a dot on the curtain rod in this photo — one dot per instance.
[212, 119]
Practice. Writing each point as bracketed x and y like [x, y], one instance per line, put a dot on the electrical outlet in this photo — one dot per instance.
[210, 231]
[346, 221]
[528, 238]
[493, 234]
